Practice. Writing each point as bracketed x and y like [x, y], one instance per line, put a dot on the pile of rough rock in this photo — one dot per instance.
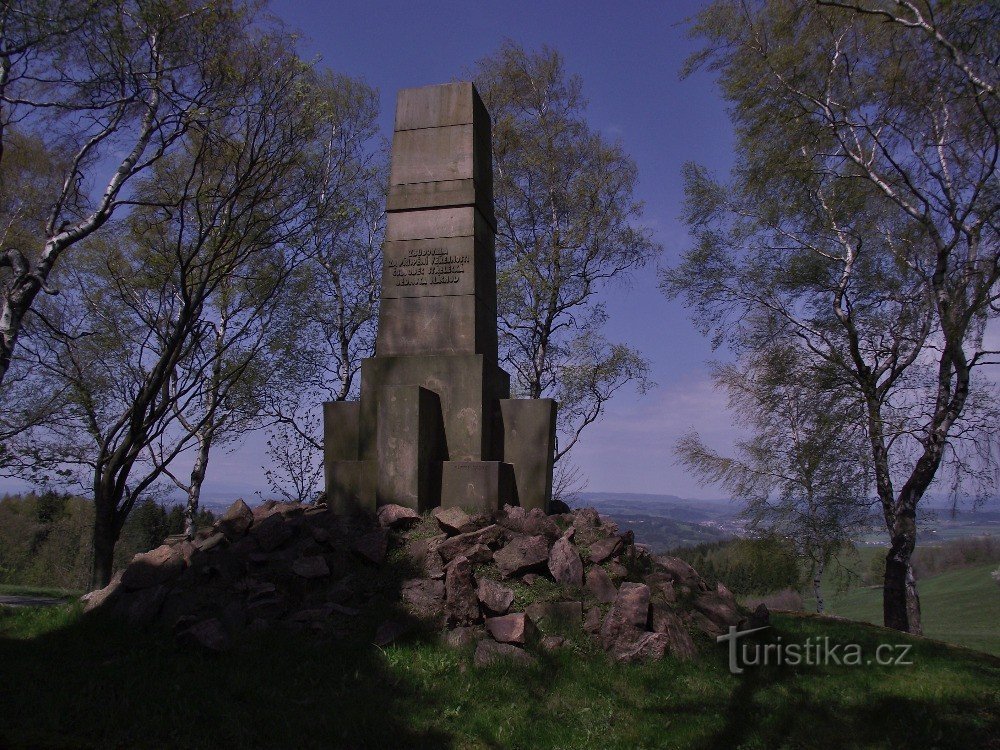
[509, 582]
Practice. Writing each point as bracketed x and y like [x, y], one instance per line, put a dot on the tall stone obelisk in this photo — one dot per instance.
[435, 424]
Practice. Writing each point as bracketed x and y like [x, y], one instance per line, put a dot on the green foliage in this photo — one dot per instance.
[294, 691]
[747, 566]
[45, 539]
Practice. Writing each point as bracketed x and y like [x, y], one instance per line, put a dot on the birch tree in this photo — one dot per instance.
[170, 312]
[862, 216]
[110, 85]
[803, 474]
[568, 228]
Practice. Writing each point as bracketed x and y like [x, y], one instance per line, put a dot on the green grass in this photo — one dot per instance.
[16, 590]
[958, 606]
[67, 681]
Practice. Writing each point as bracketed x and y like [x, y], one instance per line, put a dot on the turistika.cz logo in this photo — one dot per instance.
[816, 651]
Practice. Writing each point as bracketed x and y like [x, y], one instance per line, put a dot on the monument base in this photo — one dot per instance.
[476, 486]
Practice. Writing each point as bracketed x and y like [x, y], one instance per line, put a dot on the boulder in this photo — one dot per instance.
[479, 554]
[565, 564]
[392, 516]
[599, 584]
[718, 608]
[206, 634]
[107, 595]
[313, 566]
[679, 641]
[628, 615]
[455, 520]
[679, 570]
[494, 596]
[643, 647]
[552, 642]
[522, 554]
[236, 521]
[489, 536]
[759, 618]
[141, 608]
[423, 553]
[602, 549]
[153, 568]
[462, 636]
[372, 546]
[551, 617]
[532, 523]
[461, 603]
[210, 542]
[272, 532]
[513, 628]
[423, 597]
[490, 652]
[661, 586]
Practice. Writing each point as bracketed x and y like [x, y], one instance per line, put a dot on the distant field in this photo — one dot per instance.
[959, 606]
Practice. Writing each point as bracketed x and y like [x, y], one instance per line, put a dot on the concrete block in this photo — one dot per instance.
[455, 103]
[463, 382]
[340, 430]
[350, 487]
[410, 447]
[528, 427]
[476, 486]
[459, 324]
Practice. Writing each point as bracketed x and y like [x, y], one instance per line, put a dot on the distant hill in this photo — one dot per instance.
[666, 521]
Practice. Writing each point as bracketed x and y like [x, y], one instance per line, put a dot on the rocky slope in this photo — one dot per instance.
[509, 584]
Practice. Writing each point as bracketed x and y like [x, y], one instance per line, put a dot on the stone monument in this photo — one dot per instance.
[435, 424]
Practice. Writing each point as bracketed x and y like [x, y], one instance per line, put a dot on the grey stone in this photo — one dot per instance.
[529, 438]
[272, 532]
[599, 584]
[210, 542]
[454, 520]
[512, 628]
[488, 536]
[393, 516]
[494, 596]
[206, 634]
[678, 639]
[152, 568]
[603, 549]
[490, 652]
[522, 554]
[642, 647]
[552, 642]
[372, 546]
[390, 631]
[629, 614]
[565, 564]
[236, 521]
[461, 602]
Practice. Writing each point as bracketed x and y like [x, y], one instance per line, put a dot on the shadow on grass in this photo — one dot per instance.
[935, 701]
[69, 680]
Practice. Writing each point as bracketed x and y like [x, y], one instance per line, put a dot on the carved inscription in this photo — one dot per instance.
[423, 267]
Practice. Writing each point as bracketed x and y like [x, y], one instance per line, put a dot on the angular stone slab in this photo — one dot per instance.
[410, 440]
[350, 487]
[463, 383]
[529, 442]
[476, 486]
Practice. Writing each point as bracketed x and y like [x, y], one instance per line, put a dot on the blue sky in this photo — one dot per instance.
[629, 56]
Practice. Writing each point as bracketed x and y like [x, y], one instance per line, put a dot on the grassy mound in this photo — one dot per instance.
[70, 682]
